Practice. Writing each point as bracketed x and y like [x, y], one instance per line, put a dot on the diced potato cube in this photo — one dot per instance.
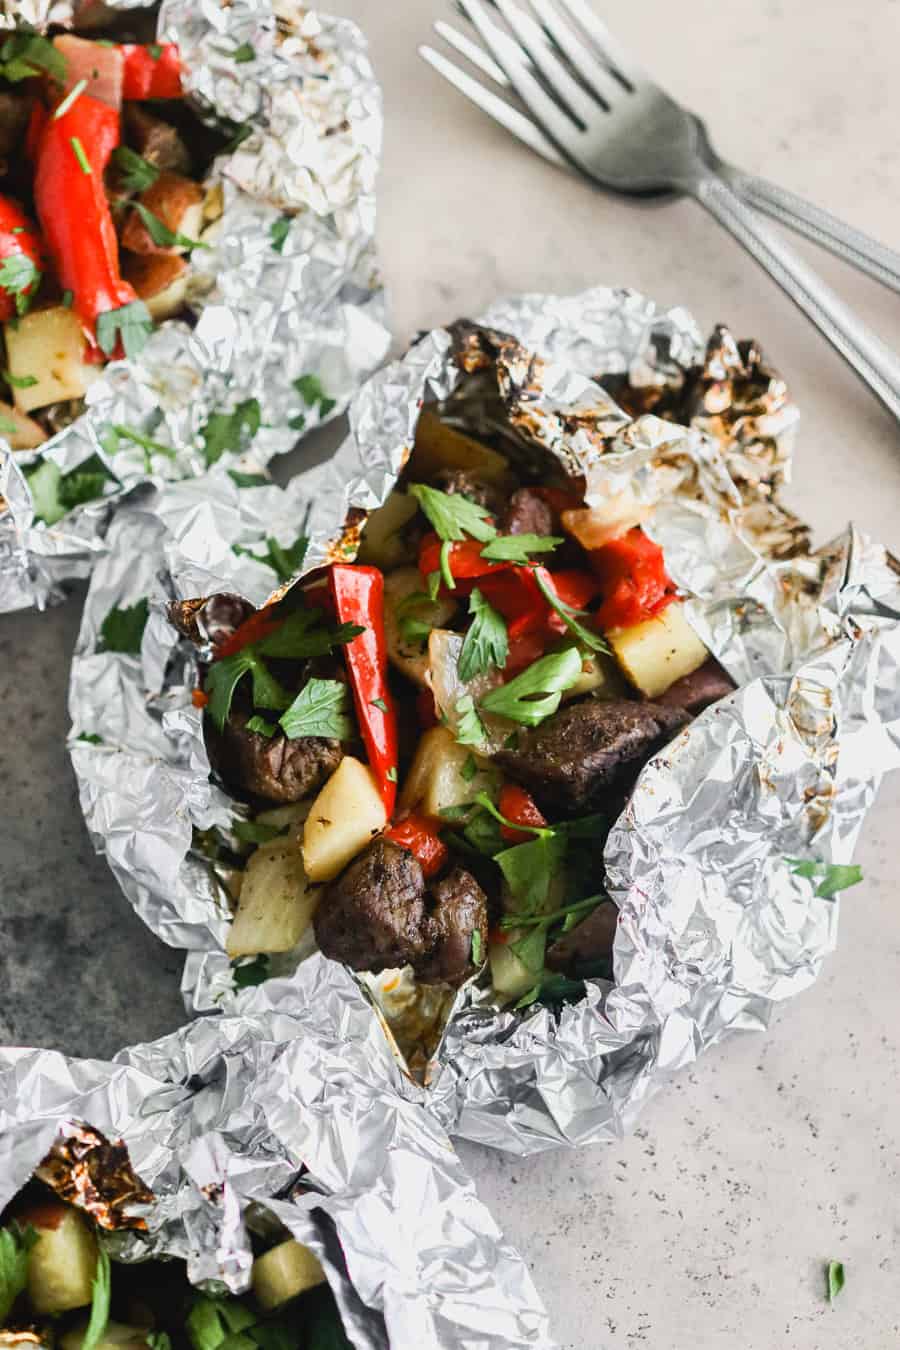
[160, 280]
[21, 432]
[116, 1336]
[408, 654]
[439, 446]
[284, 1272]
[48, 346]
[276, 903]
[594, 526]
[382, 542]
[659, 651]
[348, 812]
[438, 776]
[63, 1261]
[177, 203]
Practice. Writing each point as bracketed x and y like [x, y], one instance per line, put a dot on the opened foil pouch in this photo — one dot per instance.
[562, 746]
[274, 1173]
[192, 279]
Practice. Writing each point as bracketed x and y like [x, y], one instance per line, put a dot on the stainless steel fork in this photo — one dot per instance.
[622, 131]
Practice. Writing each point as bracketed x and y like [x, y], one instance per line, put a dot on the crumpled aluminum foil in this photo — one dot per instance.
[714, 927]
[265, 318]
[303, 1114]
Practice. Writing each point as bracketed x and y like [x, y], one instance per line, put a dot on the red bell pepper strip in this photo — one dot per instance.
[151, 72]
[19, 240]
[37, 120]
[518, 598]
[634, 580]
[520, 808]
[258, 626]
[359, 598]
[419, 837]
[72, 208]
[465, 560]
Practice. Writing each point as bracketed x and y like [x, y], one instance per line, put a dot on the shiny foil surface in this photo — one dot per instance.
[286, 1111]
[296, 327]
[714, 926]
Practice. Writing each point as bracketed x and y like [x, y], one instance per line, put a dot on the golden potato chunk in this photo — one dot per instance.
[284, 1272]
[63, 1261]
[659, 651]
[276, 902]
[348, 812]
[47, 347]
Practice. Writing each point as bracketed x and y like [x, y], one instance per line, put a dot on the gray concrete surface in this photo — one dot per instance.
[709, 1227]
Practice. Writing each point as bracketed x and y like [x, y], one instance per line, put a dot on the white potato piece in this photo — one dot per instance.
[439, 446]
[594, 526]
[382, 542]
[276, 903]
[436, 779]
[21, 432]
[284, 1272]
[599, 676]
[63, 1261]
[347, 813]
[116, 1336]
[510, 977]
[410, 657]
[659, 651]
[48, 346]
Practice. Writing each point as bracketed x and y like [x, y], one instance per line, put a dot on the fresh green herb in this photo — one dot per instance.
[380, 704]
[483, 833]
[255, 831]
[310, 389]
[131, 323]
[224, 676]
[512, 741]
[284, 559]
[84, 483]
[452, 515]
[43, 484]
[155, 50]
[279, 231]
[245, 975]
[245, 52]
[302, 636]
[469, 769]
[470, 728]
[18, 381]
[297, 422]
[261, 726]
[320, 709]
[528, 870]
[84, 163]
[249, 480]
[67, 298]
[161, 1340]
[552, 987]
[75, 92]
[136, 173]
[123, 628]
[160, 233]
[147, 443]
[391, 774]
[486, 644]
[25, 54]
[477, 956]
[90, 737]
[517, 548]
[414, 601]
[15, 1244]
[17, 229]
[20, 277]
[834, 876]
[535, 694]
[570, 616]
[231, 431]
[456, 812]
[240, 132]
[433, 585]
[446, 571]
[213, 1321]
[414, 631]
[486, 804]
[835, 1279]
[579, 909]
[99, 1317]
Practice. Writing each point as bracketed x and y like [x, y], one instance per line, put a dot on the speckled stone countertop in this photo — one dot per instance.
[711, 1225]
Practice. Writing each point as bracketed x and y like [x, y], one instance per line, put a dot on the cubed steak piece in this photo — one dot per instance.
[470, 485]
[697, 691]
[460, 910]
[271, 767]
[527, 513]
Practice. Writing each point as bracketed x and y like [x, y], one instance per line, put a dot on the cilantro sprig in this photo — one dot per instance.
[320, 709]
[224, 676]
[26, 53]
[486, 644]
[535, 694]
[232, 431]
[123, 628]
[570, 616]
[160, 233]
[20, 277]
[830, 877]
[131, 323]
[136, 174]
[15, 1246]
[518, 548]
[453, 516]
[100, 1300]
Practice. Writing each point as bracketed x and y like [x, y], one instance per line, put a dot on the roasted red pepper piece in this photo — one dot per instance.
[151, 72]
[466, 562]
[73, 210]
[419, 836]
[254, 629]
[520, 808]
[37, 120]
[18, 239]
[359, 598]
[518, 598]
[634, 580]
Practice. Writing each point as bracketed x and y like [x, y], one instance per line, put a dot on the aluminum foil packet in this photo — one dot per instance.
[286, 303]
[294, 1111]
[715, 925]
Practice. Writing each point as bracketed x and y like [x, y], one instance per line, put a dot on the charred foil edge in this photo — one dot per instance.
[93, 1173]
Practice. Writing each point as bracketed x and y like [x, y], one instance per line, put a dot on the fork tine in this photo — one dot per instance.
[472, 52]
[521, 126]
[558, 124]
[609, 46]
[597, 76]
[531, 37]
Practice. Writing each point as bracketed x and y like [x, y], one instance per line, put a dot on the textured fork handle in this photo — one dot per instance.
[852, 245]
[866, 353]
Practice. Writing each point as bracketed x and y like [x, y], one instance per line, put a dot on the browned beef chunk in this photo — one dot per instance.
[471, 486]
[570, 761]
[379, 913]
[153, 138]
[695, 692]
[586, 944]
[271, 767]
[527, 513]
[211, 620]
[15, 109]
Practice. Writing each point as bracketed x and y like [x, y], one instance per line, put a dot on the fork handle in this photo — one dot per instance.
[820, 226]
[865, 352]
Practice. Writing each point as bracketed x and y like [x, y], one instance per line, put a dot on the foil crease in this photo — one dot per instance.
[263, 318]
[714, 927]
[295, 1110]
